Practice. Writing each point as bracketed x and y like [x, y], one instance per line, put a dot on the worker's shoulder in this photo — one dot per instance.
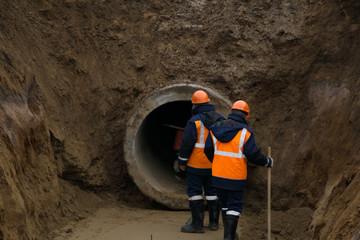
[235, 125]
[195, 118]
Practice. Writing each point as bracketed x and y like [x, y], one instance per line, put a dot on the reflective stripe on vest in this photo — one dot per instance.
[229, 160]
[198, 158]
[201, 137]
[231, 154]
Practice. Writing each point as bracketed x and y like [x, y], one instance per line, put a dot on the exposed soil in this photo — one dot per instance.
[111, 219]
[72, 71]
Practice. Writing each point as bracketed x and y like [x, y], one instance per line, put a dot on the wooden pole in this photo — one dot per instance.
[269, 197]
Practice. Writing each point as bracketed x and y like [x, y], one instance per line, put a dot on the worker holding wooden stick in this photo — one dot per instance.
[229, 146]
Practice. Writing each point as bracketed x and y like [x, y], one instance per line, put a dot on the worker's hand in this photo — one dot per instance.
[182, 167]
[270, 162]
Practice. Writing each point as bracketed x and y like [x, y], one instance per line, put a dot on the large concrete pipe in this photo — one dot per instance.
[149, 141]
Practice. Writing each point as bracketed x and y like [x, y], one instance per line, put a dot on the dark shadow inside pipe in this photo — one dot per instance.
[155, 144]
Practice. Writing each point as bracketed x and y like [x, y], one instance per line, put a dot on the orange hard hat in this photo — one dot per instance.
[242, 106]
[200, 97]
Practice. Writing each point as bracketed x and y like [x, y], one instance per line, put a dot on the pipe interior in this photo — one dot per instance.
[154, 144]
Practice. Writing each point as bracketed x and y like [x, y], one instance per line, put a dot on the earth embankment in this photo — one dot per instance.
[73, 72]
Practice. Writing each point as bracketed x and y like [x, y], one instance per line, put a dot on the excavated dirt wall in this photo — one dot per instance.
[72, 71]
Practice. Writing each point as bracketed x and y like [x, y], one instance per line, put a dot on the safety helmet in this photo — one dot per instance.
[242, 106]
[200, 97]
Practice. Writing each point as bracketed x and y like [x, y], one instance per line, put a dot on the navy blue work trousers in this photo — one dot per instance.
[196, 184]
[231, 200]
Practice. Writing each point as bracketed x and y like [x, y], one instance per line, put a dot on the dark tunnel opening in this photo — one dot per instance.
[158, 138]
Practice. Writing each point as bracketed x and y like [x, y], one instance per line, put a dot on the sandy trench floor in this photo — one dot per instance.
[111, 220]
[123, 223]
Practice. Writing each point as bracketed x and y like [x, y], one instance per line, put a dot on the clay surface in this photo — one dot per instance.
[72, 73]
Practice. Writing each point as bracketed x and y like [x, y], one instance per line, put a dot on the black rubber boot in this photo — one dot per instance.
[197, 211]
[226, 227]
[214, 212]
[230, 225]
[189, 221]
[223, 214]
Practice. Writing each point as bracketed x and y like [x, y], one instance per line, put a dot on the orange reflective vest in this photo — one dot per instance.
[229, 161]
[198, 158]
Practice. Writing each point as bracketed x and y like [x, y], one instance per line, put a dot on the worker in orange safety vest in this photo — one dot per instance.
[198, 168]
[229, 146]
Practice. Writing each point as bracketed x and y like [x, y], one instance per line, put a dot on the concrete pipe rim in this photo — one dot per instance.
[146, 155]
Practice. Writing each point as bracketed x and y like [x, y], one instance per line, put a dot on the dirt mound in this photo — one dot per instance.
[72, 71]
